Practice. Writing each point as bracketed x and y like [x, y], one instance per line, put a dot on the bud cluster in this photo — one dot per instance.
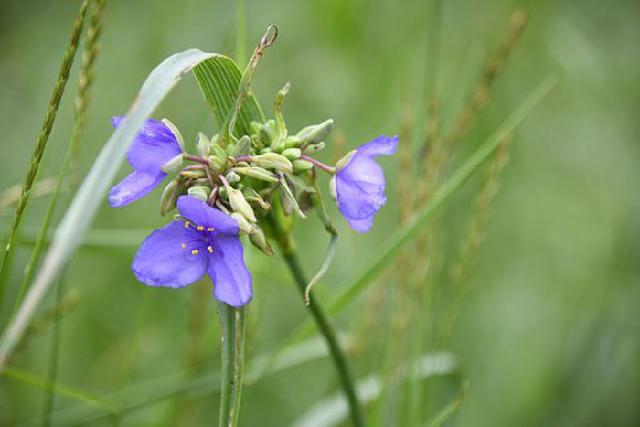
[242, 175]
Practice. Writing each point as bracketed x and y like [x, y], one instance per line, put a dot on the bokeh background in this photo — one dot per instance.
[545, 330]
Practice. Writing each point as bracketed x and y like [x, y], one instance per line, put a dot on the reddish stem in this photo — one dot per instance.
[319, 164]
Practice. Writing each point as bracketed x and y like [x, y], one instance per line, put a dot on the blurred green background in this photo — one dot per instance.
[548, 332]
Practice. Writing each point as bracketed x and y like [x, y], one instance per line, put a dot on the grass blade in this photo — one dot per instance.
[333, 411]
[405, 234]
[43, 138]
[91, 194]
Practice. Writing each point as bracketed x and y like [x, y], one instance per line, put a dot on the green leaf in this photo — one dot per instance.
[91, 194]
[219, 80]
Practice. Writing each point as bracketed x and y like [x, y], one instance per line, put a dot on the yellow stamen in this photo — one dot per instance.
[210, 249]
[186, 224]
[183, 245]
[200, 228]
[195, 252]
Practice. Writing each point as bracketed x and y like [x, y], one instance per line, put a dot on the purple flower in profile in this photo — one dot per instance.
[153, 147]
[360, 184]
[181, 252]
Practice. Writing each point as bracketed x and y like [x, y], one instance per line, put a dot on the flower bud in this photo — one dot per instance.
[273, 161]
[292, 141]
[256, 172]
[316, 133]
[241, 148]
[259, 240]
[300, 166]
[169, 197]
[243, 224]
[345, 160]
[174, 130]
[292, 153]
[216, 149]
[312, 148]
[199, 192]
[173, 164]
[202, 145]
[252, 196]
[194, 174]
[238, 202]
[267, 132]
[232, 177]
[216, 164]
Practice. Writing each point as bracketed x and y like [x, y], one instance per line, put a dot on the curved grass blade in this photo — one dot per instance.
[333, 411]
[43, 138]
[91, 194]
[30, 379]
[149, 392]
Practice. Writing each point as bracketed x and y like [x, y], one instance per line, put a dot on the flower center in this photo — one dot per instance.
[203, 240]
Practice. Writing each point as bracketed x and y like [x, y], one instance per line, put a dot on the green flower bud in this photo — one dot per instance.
[216, 164]
[257, 237]
[273, 161]
[215, 148]
[300, 166]
[202, 145]
[194, 174]
[256, 172]
[265, 150]
[252, 196]
[312, 148]
[238, 202]
[243, 224]
[292, 141]
[255, 127]
[169, 197]
[316, 133]
[199, 192]
[232, 177]
[173, 164]
[174, 130]
[345, 160]
[241, 148]
[292, 153]
[267, 132]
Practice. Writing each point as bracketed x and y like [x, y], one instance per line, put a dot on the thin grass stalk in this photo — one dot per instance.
[461, 270]
[85, 80]
[54, 355]
[232, 330]
[72, 393]
[290, 256]
[241, 32]
[43, 138]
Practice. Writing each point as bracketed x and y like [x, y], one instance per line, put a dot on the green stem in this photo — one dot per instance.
[289, 254]
[232, 333]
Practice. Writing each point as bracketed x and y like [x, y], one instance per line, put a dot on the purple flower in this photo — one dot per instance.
[360, 183]
[182, 251]
[153, 147]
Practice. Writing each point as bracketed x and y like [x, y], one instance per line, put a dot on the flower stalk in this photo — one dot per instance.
[287, 247]
[232, 337]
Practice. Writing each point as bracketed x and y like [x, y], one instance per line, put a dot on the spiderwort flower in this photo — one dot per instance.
[360, 183]
[152, 148]
[181, 252]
